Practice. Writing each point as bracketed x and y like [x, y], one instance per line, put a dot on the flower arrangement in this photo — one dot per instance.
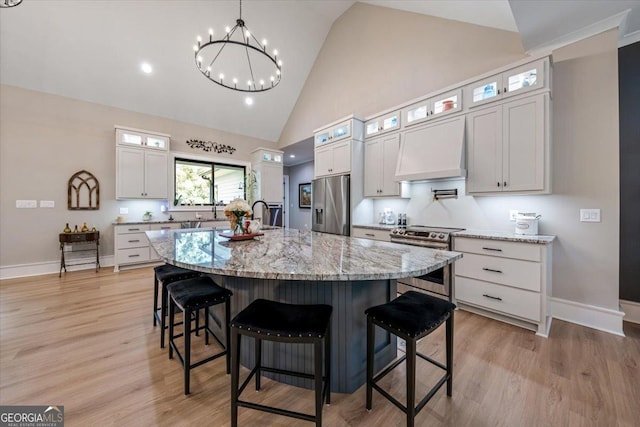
[236, 211]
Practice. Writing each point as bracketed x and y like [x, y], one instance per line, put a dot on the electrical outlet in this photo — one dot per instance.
[47, 204]
[26, 204]
[512, 214]
[124, 211]
[589, 215]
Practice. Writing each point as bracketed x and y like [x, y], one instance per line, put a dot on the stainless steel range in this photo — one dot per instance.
[437, 282]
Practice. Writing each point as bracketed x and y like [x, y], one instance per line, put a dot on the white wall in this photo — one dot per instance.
[375, 57]
[585, 174]
[44, 139]
[299, 174]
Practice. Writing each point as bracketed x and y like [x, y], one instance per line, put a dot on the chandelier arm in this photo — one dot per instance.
[223, 46]
[246, 49]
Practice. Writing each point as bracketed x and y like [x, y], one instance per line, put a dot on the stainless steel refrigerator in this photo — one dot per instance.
[331, 210]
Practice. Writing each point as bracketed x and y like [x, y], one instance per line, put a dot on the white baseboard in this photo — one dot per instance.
[631, 311]
[602, 319]
[49, 267]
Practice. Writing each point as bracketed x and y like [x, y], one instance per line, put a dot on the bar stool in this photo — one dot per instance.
[284, 323]
[191, 295]
[166, 274]
[411, 317]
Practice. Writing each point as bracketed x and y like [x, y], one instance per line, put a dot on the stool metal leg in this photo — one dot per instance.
[186, 322]
[370, 345]
[235, 375]
[164, 295]
[227, 332]
[317, 362]
[411, 381]
[449, 333]
[258, 352]
[172, 313]
[206, 326]
[327, 363]
[155, 299]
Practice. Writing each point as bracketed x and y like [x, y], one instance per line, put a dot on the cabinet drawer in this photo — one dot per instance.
[127, 256]
[494, 297]
[498, 248]
[164, 226]
[510, 272]
[137, 228]
[132, 240]
[368, 233]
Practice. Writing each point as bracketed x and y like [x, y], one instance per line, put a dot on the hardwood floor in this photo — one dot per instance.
[86, 341]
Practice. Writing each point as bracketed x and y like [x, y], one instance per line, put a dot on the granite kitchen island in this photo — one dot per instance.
[303, 267]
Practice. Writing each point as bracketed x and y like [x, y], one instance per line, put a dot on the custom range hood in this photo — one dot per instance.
[432, 152]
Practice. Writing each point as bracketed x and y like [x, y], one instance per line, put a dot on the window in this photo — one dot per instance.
[206, 183]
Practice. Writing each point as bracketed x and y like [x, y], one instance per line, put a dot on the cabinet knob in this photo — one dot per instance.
[504, 90]
[498, 91]
[505, 184]
[498, 184]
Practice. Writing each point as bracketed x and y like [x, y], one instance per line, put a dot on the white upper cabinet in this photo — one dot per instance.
[334, 133]
[508, 147]
[267, 164]
[380, 158]
[334, 159]
[382, 124]
[513, 82]
[142, 139]
[142, 168]
[432, 108]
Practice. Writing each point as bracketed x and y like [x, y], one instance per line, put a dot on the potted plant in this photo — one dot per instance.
[147, 216]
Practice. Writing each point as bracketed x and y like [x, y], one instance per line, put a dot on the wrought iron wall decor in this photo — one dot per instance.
[9, 3]
[210, 146]
[83, 192]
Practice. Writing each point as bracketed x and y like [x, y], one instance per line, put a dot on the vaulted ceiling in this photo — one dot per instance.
[93, 50]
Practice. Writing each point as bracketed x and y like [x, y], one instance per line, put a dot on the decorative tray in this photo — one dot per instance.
[232, 236]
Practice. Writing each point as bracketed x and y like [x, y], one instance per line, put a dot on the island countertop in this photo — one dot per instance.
[287, 254]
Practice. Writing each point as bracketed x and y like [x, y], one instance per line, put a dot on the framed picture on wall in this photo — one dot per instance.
[304, 195]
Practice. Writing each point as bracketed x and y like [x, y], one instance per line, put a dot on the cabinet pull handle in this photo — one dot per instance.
[133, 256]
[133, 241]
[492, 249]
[369, 234]
[505, 184]
[492, 297]
[498, 91]
[491, 270]
[498, 184]
[133, 229]
[505, 90]
[165, 228]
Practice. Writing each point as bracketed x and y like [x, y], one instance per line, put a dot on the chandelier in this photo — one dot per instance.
[9, 3]
[238, 60]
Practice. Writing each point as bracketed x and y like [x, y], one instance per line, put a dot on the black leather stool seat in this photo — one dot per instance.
[280, 319]
[197, 292]
[412, 314]
[191, 295]
[166, 274]
[170, 273]
[279, 322]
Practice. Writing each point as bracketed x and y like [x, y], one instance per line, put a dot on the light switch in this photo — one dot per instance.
[26, 204]
[47, 204]
[590, 215]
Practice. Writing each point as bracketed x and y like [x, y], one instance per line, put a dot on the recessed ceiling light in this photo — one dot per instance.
[292, 155]
[248, 100]
[146, 68]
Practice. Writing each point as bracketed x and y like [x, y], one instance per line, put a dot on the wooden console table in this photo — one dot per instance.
[86, 242]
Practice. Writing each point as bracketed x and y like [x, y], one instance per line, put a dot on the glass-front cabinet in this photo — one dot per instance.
[382, 124]
[334, 133]
[513, 82]
[141, 139]
[434, 107]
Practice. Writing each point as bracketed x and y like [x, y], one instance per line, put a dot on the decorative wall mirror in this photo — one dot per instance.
[83, 192]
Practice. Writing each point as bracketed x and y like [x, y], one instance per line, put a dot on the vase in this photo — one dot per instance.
[237, 223]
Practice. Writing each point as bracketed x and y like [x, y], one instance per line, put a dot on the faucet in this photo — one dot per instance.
[265, 205]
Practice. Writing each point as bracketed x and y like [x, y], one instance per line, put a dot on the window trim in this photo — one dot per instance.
[208, 159]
